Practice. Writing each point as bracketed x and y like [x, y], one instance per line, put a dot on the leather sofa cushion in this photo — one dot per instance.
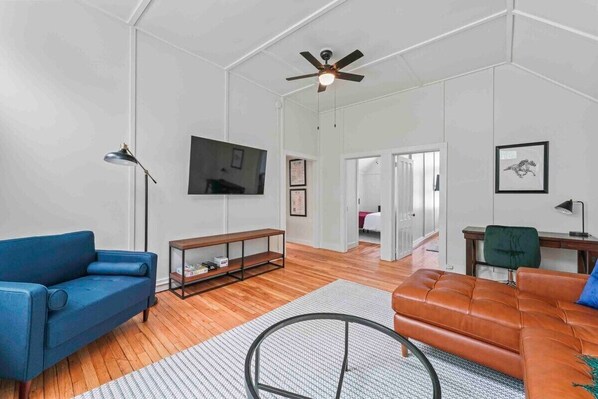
[481, 309]
[551, 363]
[92, 300]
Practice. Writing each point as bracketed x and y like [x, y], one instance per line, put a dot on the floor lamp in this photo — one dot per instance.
[124, 156]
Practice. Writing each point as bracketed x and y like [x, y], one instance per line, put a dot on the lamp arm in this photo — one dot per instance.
[142, 167]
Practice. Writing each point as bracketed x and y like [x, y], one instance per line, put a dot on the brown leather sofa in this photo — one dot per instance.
[535, 332]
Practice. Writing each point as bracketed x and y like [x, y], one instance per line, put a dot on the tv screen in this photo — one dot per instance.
[217, 167]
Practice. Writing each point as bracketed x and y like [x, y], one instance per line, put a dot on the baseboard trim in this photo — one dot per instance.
[162, 284]
[300, 241]
[332, 246]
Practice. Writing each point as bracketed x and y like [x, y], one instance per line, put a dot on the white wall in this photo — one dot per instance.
[64, 78]
[300, 229]
[472, 114]
[330, 174]
[64, 103]
[300, 129]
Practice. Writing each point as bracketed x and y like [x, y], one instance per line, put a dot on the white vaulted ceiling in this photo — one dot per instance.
[406, 43]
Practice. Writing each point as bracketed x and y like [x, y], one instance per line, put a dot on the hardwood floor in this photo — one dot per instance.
[175, 324]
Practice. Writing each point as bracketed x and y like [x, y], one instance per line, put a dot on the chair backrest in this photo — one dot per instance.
[512, 247]
[47, 260]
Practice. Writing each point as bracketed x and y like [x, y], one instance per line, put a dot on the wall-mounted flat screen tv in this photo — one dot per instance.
[218, 167]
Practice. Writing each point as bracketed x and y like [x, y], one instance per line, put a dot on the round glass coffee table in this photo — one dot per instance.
[254, 387]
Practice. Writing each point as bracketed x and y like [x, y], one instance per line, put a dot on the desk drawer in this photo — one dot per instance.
[580, 246]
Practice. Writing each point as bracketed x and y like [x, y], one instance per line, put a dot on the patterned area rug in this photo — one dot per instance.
[306, 359]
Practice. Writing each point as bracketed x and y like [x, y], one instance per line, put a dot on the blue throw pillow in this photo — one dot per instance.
[589, 295]
[136, 269]
[57, 298]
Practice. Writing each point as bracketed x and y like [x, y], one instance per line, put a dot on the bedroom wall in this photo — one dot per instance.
[368, 184]
[75, 86]
[473, 113]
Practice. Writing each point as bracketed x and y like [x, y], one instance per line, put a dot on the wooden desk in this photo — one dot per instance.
[583, 246]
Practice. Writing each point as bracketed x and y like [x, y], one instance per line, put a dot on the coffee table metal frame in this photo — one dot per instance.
[253, 385]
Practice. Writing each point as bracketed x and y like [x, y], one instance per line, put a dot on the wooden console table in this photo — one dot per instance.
[236, 267]
[582, 245]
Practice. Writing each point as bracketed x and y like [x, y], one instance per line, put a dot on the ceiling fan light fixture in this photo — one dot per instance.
[326, 79]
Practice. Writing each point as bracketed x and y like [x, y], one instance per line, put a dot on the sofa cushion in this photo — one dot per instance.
[47, 260]
[481, 309]
[92, 300]
[57, 299]
[552, 364]
[118, 268]
[589, 295]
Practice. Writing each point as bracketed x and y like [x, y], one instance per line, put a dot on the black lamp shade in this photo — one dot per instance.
[120, 157]
[566, 207]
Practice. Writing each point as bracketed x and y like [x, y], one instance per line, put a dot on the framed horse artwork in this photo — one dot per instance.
[522, 168]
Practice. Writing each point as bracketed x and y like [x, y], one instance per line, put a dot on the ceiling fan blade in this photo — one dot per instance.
[311, 59]
[354, 56]
[349, 76]
[321, 88]
[311, 75]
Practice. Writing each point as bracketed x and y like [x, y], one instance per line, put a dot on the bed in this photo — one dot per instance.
[371, 221]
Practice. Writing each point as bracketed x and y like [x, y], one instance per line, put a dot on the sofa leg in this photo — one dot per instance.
[404, 350]
[24, 389]
[146, 314]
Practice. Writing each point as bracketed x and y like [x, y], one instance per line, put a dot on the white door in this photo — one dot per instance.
[403, 207]
[352, 207]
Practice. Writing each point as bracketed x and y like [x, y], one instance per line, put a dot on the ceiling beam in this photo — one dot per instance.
[139, 10]
[556, 25]
[282, 61]
[564, 86]
[510, 29]
[405, 65]
[423, 44]
[315, 15]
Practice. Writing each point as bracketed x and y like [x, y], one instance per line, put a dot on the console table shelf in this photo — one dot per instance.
[236, 267]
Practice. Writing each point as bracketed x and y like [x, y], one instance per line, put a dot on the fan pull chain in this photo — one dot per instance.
[335, 106]
[318, 94]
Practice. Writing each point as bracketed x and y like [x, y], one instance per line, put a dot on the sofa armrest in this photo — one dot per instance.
[149, 258]
[551, 284]
[23, 313]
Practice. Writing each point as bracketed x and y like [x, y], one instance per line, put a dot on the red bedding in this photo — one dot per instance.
[362, 216]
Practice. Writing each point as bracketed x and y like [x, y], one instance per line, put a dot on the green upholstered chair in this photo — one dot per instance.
[511, 247]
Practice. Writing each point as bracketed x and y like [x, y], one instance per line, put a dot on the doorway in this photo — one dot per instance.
[416, 202]
[363, 202]
[368, 200]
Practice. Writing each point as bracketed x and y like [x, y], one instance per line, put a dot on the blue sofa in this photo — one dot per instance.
[58, 293]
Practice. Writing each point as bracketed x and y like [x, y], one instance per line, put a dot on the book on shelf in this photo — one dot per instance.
[193, 270]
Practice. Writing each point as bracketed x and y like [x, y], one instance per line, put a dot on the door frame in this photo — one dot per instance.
[387, 196]
[315, 178]
[397, 185]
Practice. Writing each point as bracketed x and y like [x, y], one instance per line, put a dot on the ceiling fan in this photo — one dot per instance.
[328, 73]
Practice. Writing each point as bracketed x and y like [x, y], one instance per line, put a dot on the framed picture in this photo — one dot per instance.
[522, 168]
[298, 204]
[297, 172]
[237, 161]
